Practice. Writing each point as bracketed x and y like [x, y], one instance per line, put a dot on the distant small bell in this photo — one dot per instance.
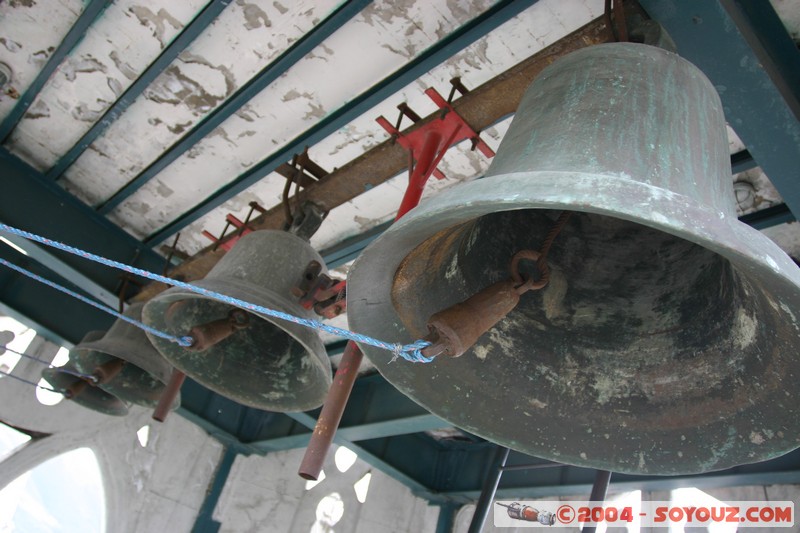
[666, 341]
[256, 360]
[125, 362]
[63, 380]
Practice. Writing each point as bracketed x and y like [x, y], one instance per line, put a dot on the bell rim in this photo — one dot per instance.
[126, 347]
[727, 237]
[547, 197]
[123, 409]
[299, 333]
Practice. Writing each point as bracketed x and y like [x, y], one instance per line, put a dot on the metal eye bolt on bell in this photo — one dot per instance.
[664, 341]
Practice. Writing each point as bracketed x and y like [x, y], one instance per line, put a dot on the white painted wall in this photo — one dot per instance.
[265, 494]
[161, 487]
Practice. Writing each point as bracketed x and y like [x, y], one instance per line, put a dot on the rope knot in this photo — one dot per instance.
[412, 352]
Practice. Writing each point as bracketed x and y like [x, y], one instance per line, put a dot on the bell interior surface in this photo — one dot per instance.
[141, 381]
[271, 364]
[666, 340]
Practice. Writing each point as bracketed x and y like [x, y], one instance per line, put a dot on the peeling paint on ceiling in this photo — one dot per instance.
[242, 41]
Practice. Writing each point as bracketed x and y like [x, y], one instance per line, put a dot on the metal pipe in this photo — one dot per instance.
[489, 490]
[447, 517]
[343, 380]
[332, 411]
[530, 466]
[168, 396]
[599, 490]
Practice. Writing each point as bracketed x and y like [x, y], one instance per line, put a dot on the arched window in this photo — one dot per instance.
[17, 337]
[62, 494]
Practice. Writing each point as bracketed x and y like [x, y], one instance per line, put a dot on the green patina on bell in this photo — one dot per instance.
[666, 340]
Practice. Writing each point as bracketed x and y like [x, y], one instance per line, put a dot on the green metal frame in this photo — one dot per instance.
[90, 13]
[338, 18]
[193, 30]
[747, 53]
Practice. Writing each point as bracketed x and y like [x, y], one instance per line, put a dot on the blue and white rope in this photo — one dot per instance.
[183, 341]
[410, 352]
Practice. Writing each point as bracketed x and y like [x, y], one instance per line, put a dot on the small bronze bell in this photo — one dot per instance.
[125, 363]
[84, 392]
[255, 360]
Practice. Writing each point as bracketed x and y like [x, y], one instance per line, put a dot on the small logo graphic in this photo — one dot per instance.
[517, 511]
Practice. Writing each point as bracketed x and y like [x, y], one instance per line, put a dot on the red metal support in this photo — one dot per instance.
[430, 142]
[242, 229]
[331, 414]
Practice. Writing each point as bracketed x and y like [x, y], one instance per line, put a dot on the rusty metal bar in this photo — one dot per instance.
[481, 108]
[332, 411]
[599, 490]
[168, 396]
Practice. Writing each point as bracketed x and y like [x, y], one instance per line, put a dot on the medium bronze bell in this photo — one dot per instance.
[255, 360]
[666, 340]
[125, 363]
[83, 392]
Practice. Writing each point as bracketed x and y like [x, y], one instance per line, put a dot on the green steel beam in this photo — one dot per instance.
[748, 55]
[196, 27]
[33, 203]
[42, 255]
[90, 13]
[378, 459]
[56, 316]
[205, 522]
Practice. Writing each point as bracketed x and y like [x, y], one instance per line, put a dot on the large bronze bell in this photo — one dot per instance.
[83, 392]
[125, 362]
[255, 360]
[666, 341]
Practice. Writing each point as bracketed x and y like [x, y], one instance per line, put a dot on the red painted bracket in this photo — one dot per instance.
[325, 295]
[427, 145]
[242, 229]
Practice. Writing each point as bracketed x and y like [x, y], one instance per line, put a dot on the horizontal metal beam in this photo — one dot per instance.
[90, 13]
[167, 56]
[229, 440]
[467, 468]
[653, 484]
[771, 216]
[374, 430]
[742, 162]
[259, 82]
[461, 38]
[377, 459]
[350, 248]
[481, 108]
